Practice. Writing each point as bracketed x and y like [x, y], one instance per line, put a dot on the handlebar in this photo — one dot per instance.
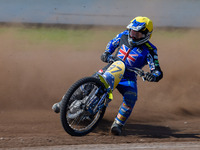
[137, 71]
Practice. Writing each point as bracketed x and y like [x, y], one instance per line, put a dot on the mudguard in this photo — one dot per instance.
[114, 74]
[103, 80]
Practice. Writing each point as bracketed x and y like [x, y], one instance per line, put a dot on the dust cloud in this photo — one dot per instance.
[34, 76]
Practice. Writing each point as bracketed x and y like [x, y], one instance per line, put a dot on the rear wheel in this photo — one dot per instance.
[80, 108]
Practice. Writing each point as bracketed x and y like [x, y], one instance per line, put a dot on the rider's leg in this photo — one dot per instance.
[129, 99]
[79, 94]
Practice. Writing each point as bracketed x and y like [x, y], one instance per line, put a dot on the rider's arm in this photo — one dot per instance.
[114, 43]
[152, 59]
[110, 48]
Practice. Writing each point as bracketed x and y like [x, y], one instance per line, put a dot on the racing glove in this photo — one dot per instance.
[106, 56]
[149, 77]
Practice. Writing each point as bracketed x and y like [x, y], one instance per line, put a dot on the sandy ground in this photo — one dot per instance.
[34, 76]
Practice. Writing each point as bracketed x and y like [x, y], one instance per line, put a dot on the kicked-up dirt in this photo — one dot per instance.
[34, 77]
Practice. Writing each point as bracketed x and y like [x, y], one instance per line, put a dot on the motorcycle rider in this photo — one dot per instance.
[134, 48]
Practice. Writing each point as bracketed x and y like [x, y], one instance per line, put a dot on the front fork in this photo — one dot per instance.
[94, 105]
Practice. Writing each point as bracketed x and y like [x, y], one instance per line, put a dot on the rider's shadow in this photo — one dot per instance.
[149, 131]
[145, 131]
[155, 131]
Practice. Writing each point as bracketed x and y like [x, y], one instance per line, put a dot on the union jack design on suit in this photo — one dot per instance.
[124, 53]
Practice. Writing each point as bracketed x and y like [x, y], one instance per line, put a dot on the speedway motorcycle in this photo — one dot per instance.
[84, 104]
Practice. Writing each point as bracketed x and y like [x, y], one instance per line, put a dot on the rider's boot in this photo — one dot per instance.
[56, 107]
[79, 94]
[116, 128]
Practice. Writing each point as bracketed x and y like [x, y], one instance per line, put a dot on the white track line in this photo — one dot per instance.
[133, 146]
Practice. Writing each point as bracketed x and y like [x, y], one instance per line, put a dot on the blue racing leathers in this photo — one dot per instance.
[133, 56]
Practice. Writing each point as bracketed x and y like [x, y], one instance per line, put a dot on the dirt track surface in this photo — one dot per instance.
[130, 146]
[33, 77]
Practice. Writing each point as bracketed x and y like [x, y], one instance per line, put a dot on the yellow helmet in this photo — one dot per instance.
[143, 25]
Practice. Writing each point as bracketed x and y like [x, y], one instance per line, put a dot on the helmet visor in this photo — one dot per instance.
[136, 35]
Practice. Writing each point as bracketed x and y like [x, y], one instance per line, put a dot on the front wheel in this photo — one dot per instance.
[83, 106]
